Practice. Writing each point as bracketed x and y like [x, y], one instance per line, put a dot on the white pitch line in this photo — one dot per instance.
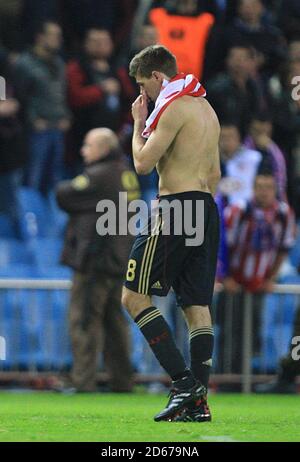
[219, 439]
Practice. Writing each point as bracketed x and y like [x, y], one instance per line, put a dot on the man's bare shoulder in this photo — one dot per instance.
[185, 108]
[174, 115]
[187, 105]
[177, 112]
[176, 107]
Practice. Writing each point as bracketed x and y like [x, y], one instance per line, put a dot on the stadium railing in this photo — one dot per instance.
[34, 324]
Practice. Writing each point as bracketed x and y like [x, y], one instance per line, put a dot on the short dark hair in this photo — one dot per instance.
[230, 122]
[153, 58]
[262, 116]
[97, 29]
[41, 28]
[241, 44]
[266, 172]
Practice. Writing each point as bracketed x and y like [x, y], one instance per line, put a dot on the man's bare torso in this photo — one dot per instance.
[192, 160]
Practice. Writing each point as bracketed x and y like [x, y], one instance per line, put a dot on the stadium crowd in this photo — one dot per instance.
[65, 63]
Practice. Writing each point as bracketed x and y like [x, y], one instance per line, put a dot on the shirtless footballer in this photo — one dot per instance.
[179, 139]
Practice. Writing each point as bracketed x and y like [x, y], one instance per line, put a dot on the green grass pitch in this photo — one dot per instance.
[118, 418]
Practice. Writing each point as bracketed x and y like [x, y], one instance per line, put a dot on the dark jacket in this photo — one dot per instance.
[85, 250]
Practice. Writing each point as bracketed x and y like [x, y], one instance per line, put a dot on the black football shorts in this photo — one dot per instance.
[167, 254]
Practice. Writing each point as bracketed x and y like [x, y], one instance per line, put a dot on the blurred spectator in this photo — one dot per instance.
[184, 31]
[247, 29]
[289, 18]
[270, 11]
[260, 139]
[97, 323]
[236, 94]
[41, 85]
[191, 7]
[12, 152]
[259, 237]
[256, 253]
[239, 166]
[99, 92]
[147, 36]
[113, 15]
[286, 120]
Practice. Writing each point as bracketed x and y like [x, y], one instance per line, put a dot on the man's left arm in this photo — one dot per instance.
[146, 153]
[78, 195]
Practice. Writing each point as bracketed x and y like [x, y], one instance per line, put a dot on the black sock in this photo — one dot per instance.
[159, 336]
[201, 349]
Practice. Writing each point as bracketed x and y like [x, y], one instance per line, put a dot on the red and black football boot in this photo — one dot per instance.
[196, 412]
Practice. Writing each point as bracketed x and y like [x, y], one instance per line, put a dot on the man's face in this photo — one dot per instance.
[230, 140]
[250, 10]
[259, 128]
[147, 36]
[51, 39]
[98, 44]
[265, 191]
[186, 7]
[93, 148]
[150, 86]
[239, 61]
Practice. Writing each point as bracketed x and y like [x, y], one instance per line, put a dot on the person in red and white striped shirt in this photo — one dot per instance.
[259, 237]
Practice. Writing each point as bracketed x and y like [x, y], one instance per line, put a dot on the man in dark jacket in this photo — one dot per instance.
[236, 94]
[97, 323]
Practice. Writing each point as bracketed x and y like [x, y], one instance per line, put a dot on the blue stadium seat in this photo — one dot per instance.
[7, 229]
[36, 217]
[46, 251]
[13, 251]
[60, 218]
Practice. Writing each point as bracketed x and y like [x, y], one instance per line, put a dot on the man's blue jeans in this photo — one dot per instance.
[46, 156]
